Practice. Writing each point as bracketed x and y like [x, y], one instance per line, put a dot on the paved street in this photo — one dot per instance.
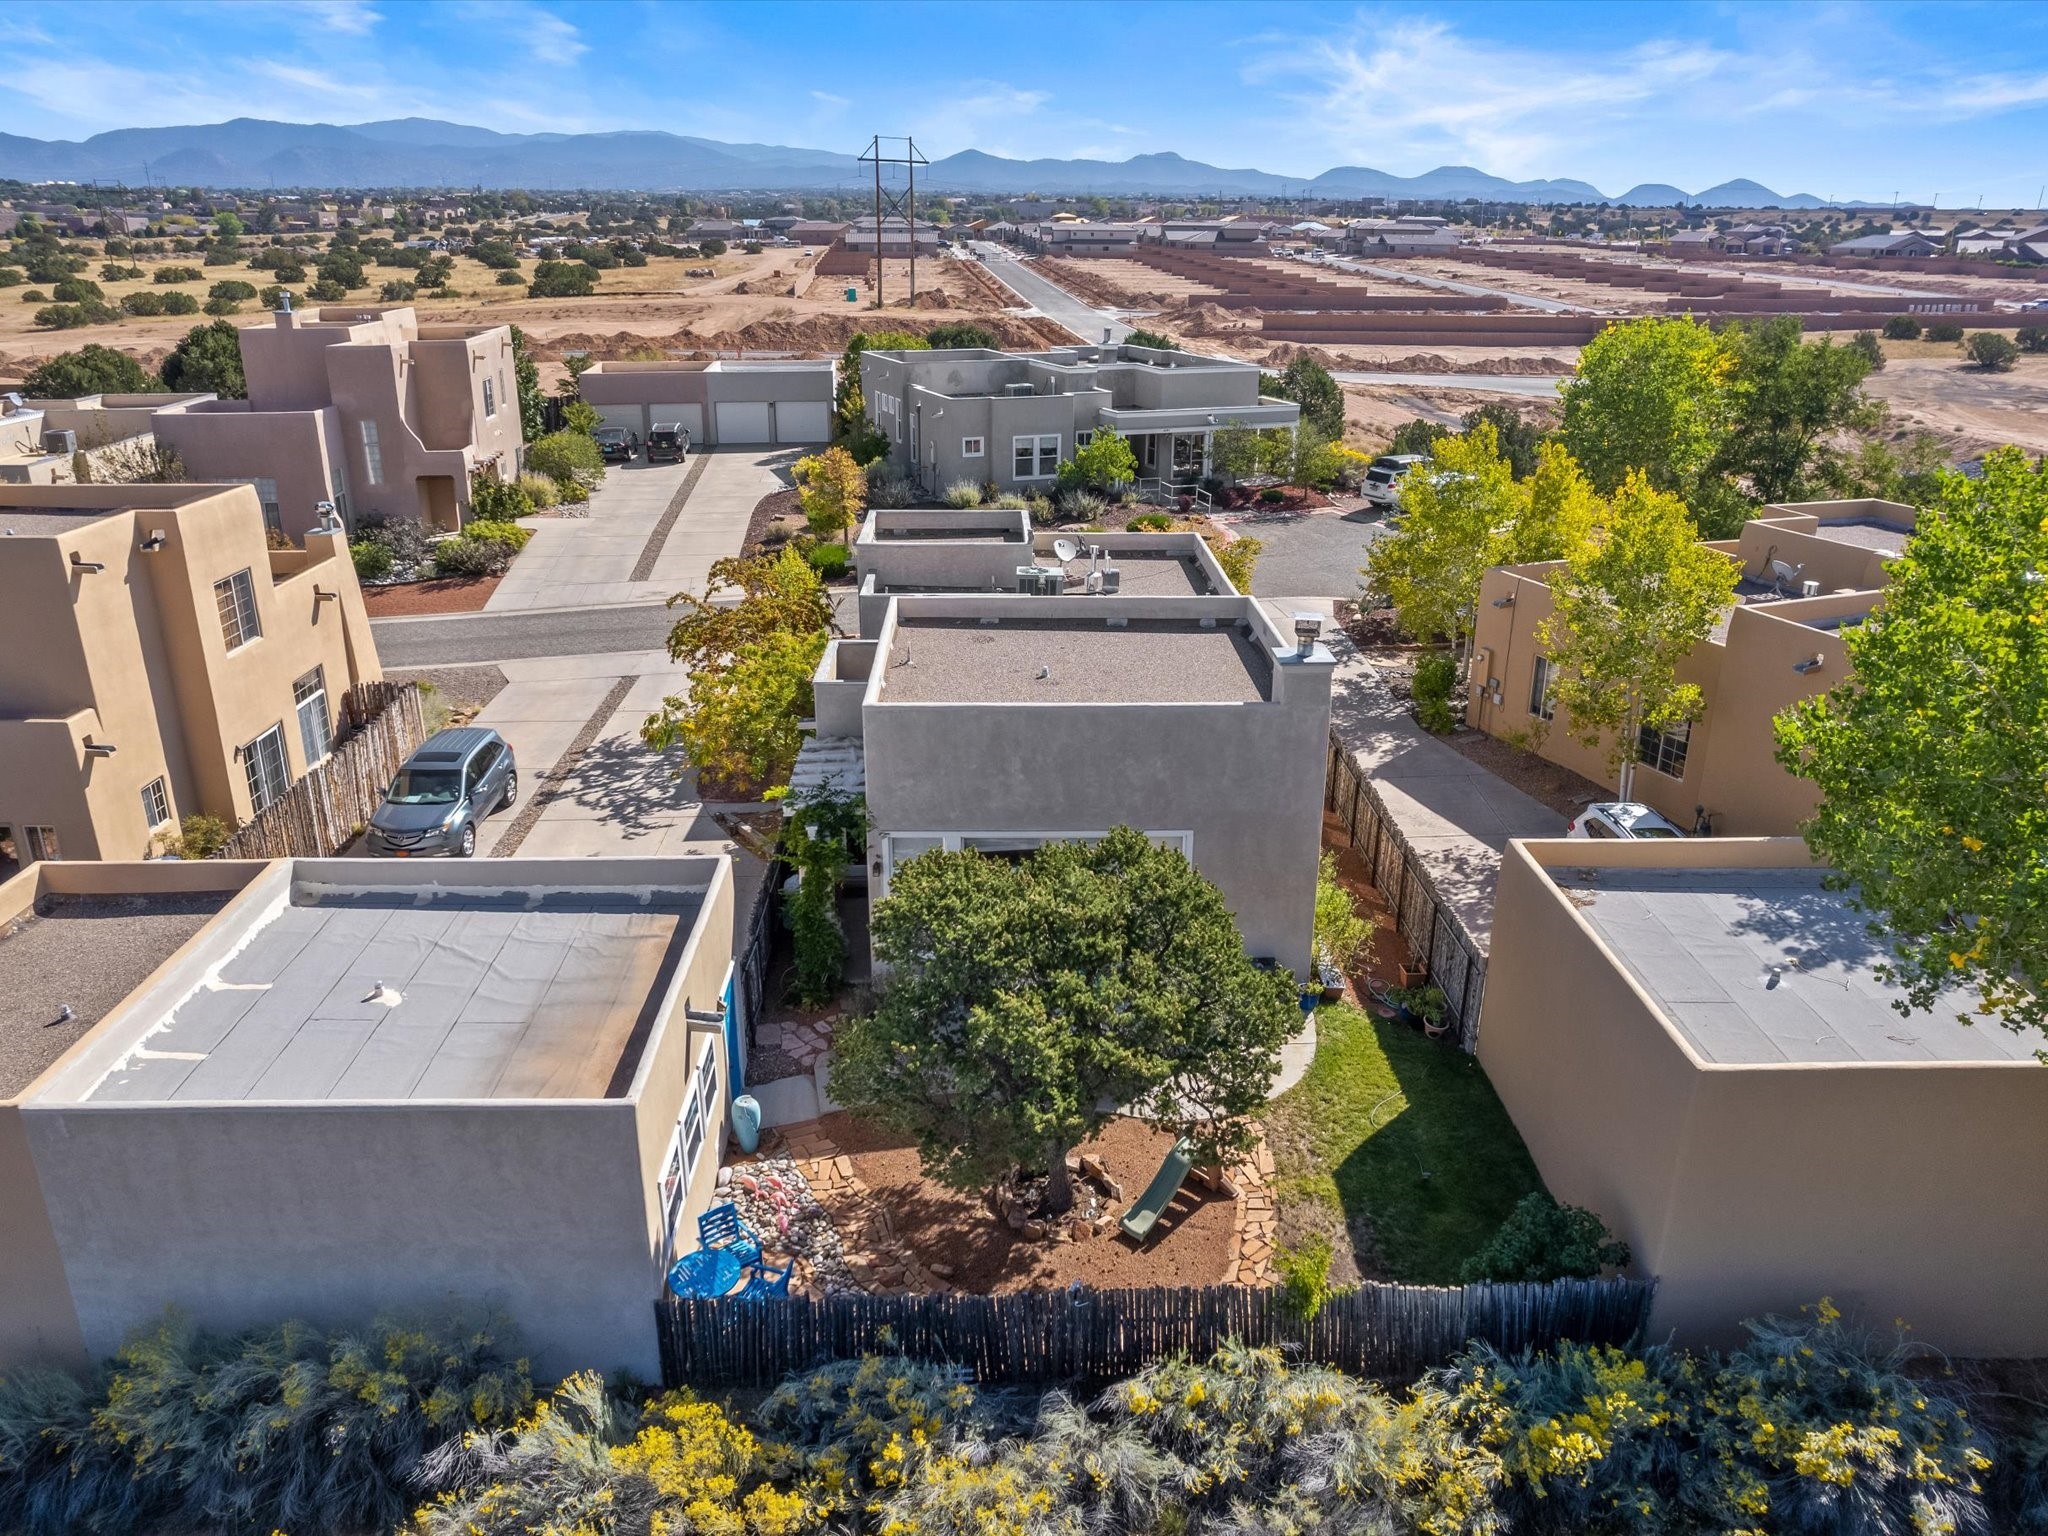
[1049, 298]
[456, 638]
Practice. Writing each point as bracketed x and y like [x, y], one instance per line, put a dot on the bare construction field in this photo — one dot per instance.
[1970, 410]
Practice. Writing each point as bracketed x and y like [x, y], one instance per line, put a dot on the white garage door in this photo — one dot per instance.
[627, 416]
[743, 421]
[690, 417]
[802, 421]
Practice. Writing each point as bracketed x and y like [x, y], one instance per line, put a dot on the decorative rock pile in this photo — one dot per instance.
[774, 1198]
[1017, 1203]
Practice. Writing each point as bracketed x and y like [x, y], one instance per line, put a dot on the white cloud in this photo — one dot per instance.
[354, 17]
[983, 115]
[830, 100]
[551, 39]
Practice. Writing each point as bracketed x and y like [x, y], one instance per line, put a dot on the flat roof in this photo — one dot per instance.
[33, 522]
[1146, 574]
[1148, 661]
[1767, 967]
[87, 953]
[1867, 533]
[419, 992]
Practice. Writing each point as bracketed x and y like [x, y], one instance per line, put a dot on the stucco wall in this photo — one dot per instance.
[297, 449]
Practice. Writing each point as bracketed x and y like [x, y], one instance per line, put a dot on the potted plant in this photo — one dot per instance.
[1425, 1005]
[1414, 972]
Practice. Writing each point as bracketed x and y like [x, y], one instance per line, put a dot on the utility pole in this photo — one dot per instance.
[910, 160]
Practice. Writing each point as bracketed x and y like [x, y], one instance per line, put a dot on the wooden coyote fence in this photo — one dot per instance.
[1457, 962]
[380, 723]
[1388, 1331]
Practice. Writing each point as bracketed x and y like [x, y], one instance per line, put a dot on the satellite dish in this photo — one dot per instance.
[1065, 549]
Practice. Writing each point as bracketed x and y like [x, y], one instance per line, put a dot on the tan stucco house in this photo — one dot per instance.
[1810, 571]
[1694, 1041]
[158, 658]
[326, 1089]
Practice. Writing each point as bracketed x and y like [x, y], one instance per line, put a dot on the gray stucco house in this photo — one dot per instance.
[1011, 418]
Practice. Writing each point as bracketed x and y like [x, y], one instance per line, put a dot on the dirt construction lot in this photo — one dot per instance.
[1972, 410]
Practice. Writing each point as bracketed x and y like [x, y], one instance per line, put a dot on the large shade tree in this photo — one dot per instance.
[1932, 758]
[1651, 397]
[1786, 395]
[1027, 1001]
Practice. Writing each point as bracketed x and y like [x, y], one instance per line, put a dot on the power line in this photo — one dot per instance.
[910, 160]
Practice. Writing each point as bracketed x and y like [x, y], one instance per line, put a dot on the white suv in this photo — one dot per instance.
[1622, 818]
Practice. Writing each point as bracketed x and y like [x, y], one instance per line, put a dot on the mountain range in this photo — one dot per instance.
[253, 153]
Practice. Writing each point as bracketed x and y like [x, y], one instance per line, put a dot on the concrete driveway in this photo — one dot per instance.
[653, 530]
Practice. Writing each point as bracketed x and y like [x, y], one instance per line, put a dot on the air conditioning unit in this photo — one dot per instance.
[1014, 390]
[60, 442]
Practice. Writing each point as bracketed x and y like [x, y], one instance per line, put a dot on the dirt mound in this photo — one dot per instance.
[1433, 362]
[1194, 318]
[1286, 352]
[931, 298]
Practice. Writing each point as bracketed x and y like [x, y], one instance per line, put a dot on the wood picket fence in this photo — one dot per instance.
[381, 723]
[1390, 1332]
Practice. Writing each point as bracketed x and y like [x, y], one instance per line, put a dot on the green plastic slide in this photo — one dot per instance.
[1140, 1219]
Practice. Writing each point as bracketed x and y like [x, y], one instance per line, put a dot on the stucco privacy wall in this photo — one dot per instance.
[1900, 1188]
[246, 1212]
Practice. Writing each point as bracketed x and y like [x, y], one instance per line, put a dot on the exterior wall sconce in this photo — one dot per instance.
[322, 595]
[1811, 664]
[157, 540]
[1505, 602]
[80, 564]
[98, 748]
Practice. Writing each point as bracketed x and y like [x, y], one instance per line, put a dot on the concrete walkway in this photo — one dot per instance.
[653, 530]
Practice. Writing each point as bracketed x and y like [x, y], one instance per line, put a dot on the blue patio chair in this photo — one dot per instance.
[721, 1227]
[766, 1280]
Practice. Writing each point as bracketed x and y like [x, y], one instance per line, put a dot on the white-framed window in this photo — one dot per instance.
[269, 775]
[1542, 691]
[693, 1128]
[156, 803]
[1084, 437]
[373, 454]
[899, 848]
[42, 844]
[1665, 750]
[1035, 458]
[235, 599]
[973, 447]
[316, 731]
[490, 397]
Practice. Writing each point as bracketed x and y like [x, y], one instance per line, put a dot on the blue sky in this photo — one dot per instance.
[1846, 100]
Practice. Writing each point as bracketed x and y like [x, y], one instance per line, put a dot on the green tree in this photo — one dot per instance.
[1520, 436]
[343, 268]
[960, 333]
[228, 227]
[1152, 339]
[770, 594]
[1026, 1002]
[1456, 513]
[1872, 349]
[833, 490]
[1542, 1240]
[1560, 511]
[1652, 397]
[1308, 384]
[562, 280]
[1932, 757]
[1418, 436]
[566, 456]
[1105, 460]
[850, 424]
[1902, 328]
[526, 373]
[91, 370]
[1992, 352]
[209, 357]
[1343, 933]
[498, 255]
[1236, 451]
[1629, 606]
[1784, 396]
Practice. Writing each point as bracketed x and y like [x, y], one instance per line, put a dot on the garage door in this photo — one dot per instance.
[802, 421]
[690, 417]
[743, 421]
[626, 416]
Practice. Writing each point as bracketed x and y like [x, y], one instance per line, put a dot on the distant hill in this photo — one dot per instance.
[254, 153]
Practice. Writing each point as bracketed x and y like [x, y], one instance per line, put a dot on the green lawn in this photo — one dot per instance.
[1400, 1136]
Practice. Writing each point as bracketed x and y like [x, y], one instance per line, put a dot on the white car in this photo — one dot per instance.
[1622, 818]
[1382, 483]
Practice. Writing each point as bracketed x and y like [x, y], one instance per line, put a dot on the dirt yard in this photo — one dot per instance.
[975, 1251]
[1970, 410]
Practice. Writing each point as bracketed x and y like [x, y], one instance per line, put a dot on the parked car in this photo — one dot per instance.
[1383, 477]
[1622, 818]
[616, 444]
[447, 787]
[668, 442]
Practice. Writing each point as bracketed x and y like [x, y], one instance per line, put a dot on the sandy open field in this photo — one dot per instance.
[746, 305]
[1970, 410]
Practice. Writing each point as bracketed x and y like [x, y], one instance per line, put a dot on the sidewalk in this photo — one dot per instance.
[653, 530]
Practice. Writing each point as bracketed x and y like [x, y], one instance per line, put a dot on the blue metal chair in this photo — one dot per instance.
[767, 1281]
[721, 1227]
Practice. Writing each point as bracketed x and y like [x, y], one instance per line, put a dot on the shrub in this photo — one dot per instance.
[711, 247]
[963, 494]
[77, 290]
[1143, 338]
[143, 302]
[408, 538]
[890, 491]
[35, 296]
[1149, 522]
[496, 501]
[1902, 328]
[566, 457]
[176, 275]
[2032, 338]
[540, 490]
[177, 303]
[1542, 1240]
[1342, 932]
[199, 837]
[372, 559]
[1305, 1275]
[69, 317]
[91, 370]
[326, 291]
[752, 247]
[960, 333]
[829, 560]
[117, 272]
[509, 279]
[1992, 352]
[572, 492]
[1238, 557]
[12, 277]
[462, 558]
[1945, 330]
[219, 306]
[231, 288]
[562, 280]
[509, 536]
[397, 293]
[1870, 348]
[1272, 496]
[1436, 677]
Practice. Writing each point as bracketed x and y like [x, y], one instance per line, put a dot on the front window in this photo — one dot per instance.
[373, 455]
[156, 803]
[1036, 458]
[972, 448]
[235, 599]
[1665, 750]
[426, 786]
[1542, 695]
[490, 397]
[316, 732]
[269, 776]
